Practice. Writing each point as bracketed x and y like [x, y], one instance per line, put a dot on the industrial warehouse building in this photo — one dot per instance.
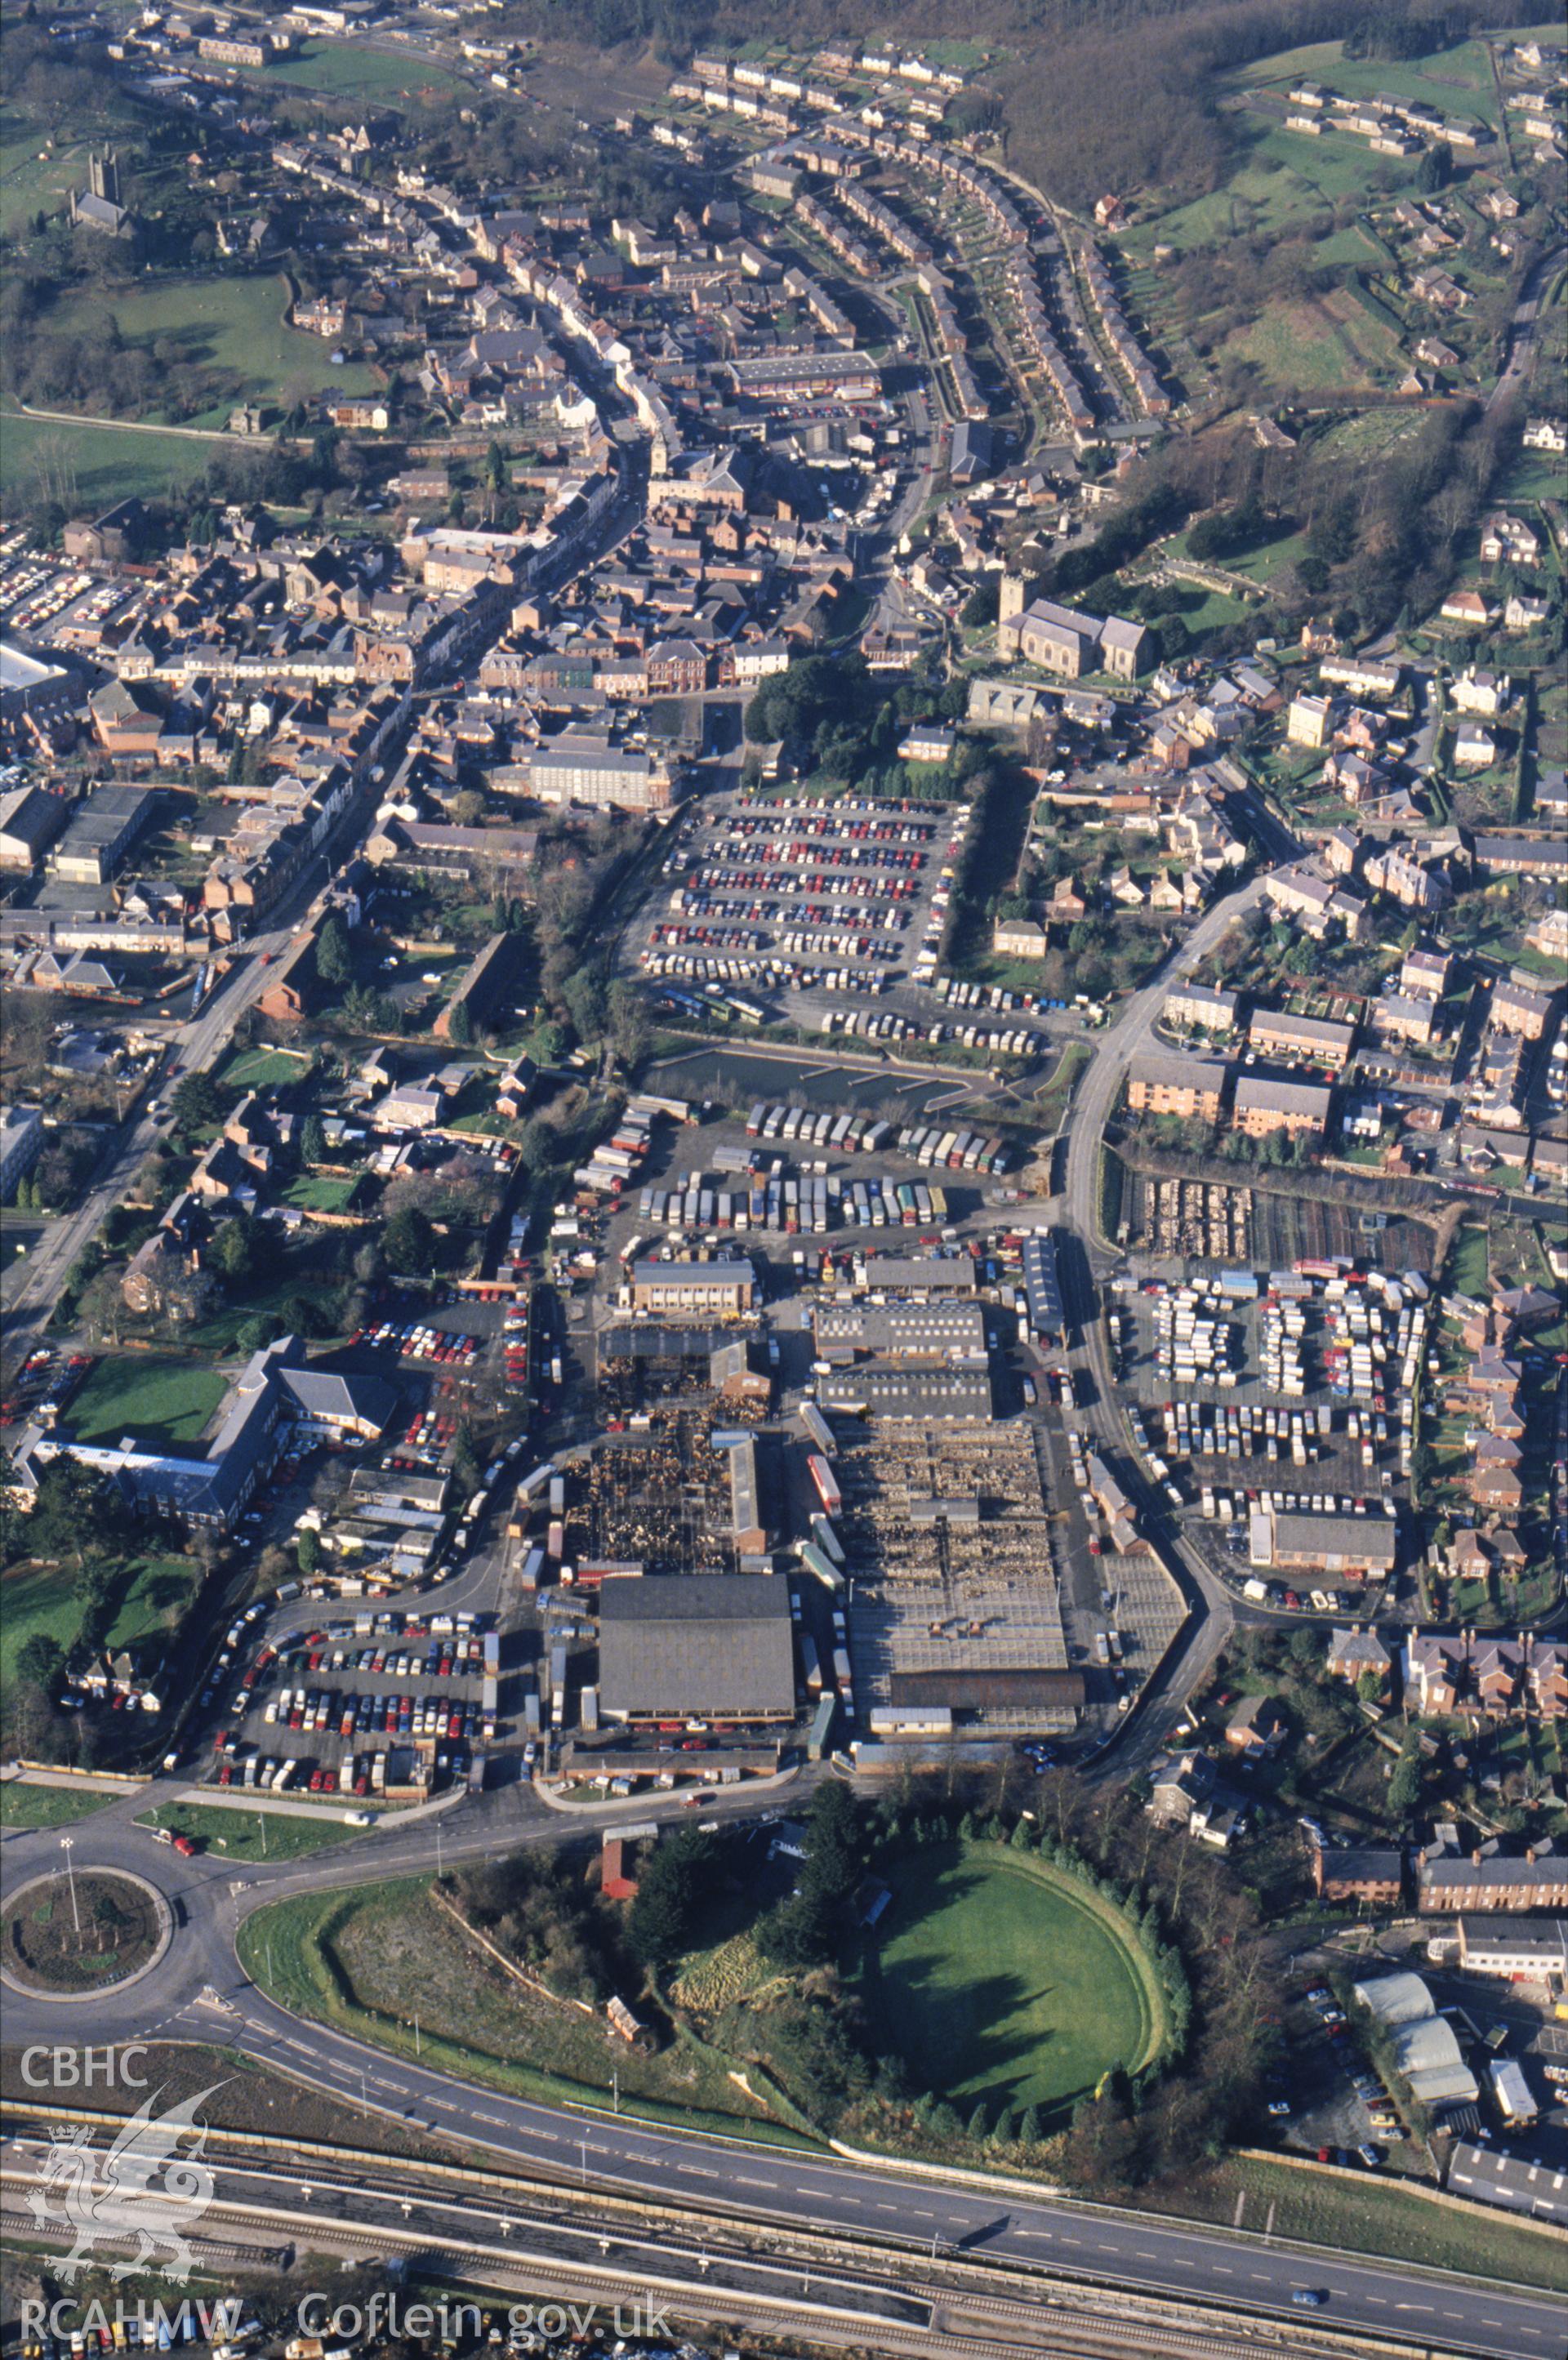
[919, 1274]
[921, 1332]
[1518, 1950]
[715, 1645]
[709, 1288]
[1516, 2182]
[1368, 1545]
[940, 1395]
[1425, 2049]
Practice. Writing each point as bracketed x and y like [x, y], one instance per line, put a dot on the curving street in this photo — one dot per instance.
[200, 1993]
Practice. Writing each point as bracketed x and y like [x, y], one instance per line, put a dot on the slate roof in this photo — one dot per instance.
[697, 1643]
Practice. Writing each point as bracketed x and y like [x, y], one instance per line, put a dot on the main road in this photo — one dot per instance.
[200, 1991]
[33, 1289]
[1087, 1266]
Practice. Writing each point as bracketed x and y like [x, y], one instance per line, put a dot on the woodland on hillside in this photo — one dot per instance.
[1097, 94]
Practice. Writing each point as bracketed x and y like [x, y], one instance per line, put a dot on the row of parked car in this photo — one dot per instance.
[442, 1657]
[414, 1341]
[401, 1714]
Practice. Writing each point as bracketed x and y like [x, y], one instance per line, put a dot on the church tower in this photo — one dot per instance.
[103, 175]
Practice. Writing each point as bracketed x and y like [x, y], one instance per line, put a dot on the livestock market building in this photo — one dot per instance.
[717, 1646]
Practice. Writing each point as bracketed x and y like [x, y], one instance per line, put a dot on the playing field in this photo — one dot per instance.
[233, 326]
[1000, 1979]
[350, 70]
[169, 1401]
[107, 462]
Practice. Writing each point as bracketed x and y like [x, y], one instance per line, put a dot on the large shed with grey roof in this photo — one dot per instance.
[716, 1644]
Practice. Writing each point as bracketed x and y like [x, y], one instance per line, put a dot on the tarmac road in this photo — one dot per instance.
[1525, 326]
[34, 1288]
[1084, 1271]
[200, 1993]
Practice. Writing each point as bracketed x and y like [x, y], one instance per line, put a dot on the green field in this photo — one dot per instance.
[259, 1069]
[1322, 341]
[1003, 1979]
[1259, 563]
[168, 1401]
[30, 180]
[236, 325]
[109, 462]
[38, 1598]
[46, 1807]
[241, 1835]
[349, 70]
[1285, 180]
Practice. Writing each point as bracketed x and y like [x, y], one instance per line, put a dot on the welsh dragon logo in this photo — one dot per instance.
[142, 2188]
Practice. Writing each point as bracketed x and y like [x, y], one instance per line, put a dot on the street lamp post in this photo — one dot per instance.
[66, 1843]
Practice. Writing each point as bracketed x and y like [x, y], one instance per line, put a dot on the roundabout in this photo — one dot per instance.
[79, 1934]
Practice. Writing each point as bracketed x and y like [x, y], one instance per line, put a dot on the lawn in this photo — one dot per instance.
[34, 1597]
[320, 1195]
[349, 70]
[153, 1591]
[1369, 2216]
[1322, 341]
[23, 1805]
[154, 1597]
[1004, 1981]
[1467, 1265]
[370, 1960]
[233, 325]
[1051, 1097]
[168, 1401]
[18, 1239]
[260, 1069]
[248, 1835]
[108, 461]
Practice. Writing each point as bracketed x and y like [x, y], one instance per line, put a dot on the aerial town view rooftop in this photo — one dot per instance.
[784, 1366]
